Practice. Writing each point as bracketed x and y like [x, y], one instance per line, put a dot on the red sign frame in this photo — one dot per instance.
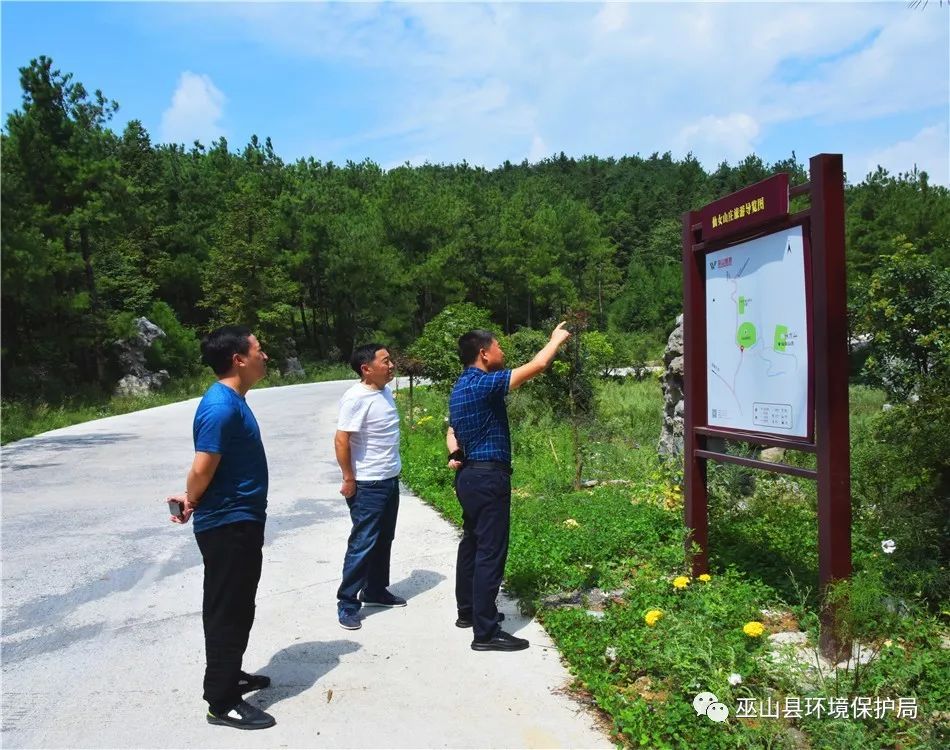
[828, 331]
[741, 212]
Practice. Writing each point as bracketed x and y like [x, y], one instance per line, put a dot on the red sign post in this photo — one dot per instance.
[752, 213]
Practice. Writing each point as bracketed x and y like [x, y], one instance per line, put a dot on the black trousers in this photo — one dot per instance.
[485, 496]
[232, 557]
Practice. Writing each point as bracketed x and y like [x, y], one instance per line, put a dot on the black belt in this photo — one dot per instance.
[499, 465]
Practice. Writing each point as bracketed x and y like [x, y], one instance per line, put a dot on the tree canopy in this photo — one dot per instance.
[99, 227]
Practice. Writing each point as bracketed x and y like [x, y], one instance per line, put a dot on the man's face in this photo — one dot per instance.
[381, 370]
[253, 365]
[493, 356]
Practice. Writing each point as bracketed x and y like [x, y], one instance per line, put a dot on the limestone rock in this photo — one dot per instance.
[671, 434]
[138, 379]
[293, 368]
[773, 455]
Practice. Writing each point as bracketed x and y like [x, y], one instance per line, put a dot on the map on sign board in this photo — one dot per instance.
[757, 336]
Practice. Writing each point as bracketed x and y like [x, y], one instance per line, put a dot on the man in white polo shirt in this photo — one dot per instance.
[367, 449]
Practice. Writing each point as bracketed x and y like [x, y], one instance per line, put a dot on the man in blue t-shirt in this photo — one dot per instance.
[479, 436]
[227, 495]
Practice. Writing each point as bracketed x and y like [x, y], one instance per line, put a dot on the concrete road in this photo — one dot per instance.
[102, 642]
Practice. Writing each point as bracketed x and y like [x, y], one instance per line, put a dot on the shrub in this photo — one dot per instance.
[901, 490]
[437, 347]
[179, 352]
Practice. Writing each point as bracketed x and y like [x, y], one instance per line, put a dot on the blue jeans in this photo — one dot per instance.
[373, 510]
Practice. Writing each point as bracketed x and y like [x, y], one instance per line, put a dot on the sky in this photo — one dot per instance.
[489, 82]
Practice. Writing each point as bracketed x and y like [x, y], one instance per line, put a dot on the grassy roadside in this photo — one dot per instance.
[20, 420]
[594, 564]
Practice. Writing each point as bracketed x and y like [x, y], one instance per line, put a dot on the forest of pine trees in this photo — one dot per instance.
[100, 227]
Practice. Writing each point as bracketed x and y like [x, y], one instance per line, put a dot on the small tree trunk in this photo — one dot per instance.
[600, 302]
[303, 321]
[578, 456]
[86, 251]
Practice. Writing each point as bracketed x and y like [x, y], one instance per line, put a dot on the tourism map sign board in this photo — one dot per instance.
[757, 336]
[765, 354]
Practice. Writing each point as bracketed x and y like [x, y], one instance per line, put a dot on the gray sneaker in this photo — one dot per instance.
[350, 621]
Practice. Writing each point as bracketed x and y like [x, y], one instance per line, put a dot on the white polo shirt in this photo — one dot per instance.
[371, 418]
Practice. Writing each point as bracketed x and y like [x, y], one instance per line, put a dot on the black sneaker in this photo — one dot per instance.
[466, 622]
[501, 641]
[249, 682]
[385, 599]
[242, 716]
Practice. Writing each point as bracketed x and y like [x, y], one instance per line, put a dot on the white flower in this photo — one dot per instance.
[610, 654]
[735, 679]
[888, 545]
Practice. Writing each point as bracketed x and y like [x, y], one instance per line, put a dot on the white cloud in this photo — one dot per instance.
[903, 69]
[612, 17]
[928, 150]
[480, 81]
[195, 111]
[539, 149]
[715, 139]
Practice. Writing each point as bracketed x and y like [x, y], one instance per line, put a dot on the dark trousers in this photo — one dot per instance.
[485, 496]
[232, 561]
[373, 510]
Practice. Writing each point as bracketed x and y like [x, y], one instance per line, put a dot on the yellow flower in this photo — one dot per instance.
[753, 629]
[680, 582]
[651, 617]
[705, 577]
[571, 523]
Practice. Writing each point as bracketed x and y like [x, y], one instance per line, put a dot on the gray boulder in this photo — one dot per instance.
[293, 368]
[671, 434]
[138, 379]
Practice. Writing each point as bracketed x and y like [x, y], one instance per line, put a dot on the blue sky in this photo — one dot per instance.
[442, 82]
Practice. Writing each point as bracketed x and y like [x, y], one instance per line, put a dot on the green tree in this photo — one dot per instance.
[62, 163]
[907, 315]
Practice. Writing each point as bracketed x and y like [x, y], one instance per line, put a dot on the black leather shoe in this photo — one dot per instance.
[249, 682]
[501, 641]
[466, 622]
[385, 599]
[242, 716]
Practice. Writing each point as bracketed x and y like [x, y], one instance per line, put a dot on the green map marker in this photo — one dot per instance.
[745, 336]
[780, 332]
[741, 305]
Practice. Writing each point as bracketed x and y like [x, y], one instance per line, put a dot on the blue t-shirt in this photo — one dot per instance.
[479, 416]
[224, 424]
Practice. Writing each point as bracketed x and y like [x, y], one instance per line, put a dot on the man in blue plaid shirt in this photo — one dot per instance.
[479, 438]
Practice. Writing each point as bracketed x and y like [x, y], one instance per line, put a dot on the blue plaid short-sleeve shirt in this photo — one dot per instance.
[479, 416]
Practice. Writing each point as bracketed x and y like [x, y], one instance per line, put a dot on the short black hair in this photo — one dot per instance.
[363, 355]
[219, 347]
[471, 343]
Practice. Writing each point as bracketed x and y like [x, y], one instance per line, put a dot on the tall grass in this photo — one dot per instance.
[626, 538]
